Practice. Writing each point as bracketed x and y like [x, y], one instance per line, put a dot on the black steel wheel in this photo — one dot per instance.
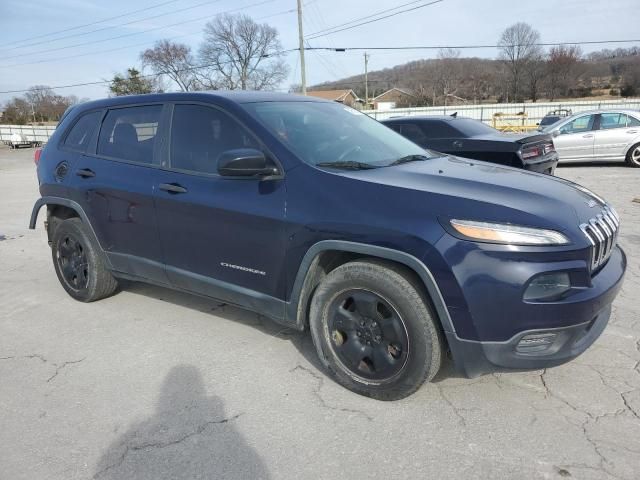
[374, 330]
[368, 335]
[79, 262]
[72, 262]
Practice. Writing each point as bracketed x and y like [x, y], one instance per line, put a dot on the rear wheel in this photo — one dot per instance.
[79, 263]
[374, 330]
[633, 156]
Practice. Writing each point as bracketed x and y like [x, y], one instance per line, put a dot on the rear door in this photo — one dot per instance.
[613, 137]
[576, 138]
[221, 236]
[113, 182]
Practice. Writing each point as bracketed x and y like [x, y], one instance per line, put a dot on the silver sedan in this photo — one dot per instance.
[602, 135]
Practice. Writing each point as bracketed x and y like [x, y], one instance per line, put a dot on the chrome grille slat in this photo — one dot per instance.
[602, 233]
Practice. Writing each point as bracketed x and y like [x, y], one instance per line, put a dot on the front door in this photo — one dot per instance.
[575, 139]
[222, 237]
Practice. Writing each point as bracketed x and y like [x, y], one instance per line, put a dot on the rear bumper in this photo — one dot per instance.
[546, 164]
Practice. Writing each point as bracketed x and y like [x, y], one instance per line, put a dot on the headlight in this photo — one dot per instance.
[510, 234]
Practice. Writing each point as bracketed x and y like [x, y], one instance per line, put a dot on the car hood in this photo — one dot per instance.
[484, 191]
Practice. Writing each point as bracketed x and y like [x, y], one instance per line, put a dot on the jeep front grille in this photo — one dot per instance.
[602, 233]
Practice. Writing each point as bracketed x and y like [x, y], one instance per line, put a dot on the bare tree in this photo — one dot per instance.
[518, 48]
[173, 60]
[535, 73]
[561, 67]
[241, 54]
[448, 72]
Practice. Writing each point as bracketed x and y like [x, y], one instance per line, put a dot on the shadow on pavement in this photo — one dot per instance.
[190, 436]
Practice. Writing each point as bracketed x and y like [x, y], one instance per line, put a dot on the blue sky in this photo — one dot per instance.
[451, 22]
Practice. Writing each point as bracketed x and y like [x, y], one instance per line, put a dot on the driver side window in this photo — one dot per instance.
[579, 125]
[201, 134]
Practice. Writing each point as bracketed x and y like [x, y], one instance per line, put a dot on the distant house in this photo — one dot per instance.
[348, 97]
[394, 98]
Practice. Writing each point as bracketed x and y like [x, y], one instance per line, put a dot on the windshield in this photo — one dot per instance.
[330, 133]
[471, 128]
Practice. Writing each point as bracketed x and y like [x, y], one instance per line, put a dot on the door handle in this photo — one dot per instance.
[632, 131]
[172, 188]
[457, 143]
[85, 173]
[588, 135]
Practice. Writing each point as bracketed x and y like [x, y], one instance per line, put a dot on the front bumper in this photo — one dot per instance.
[477, 358]
[569, 327]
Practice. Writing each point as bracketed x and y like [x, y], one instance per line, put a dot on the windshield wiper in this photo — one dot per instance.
[348, 165]
[407, 159]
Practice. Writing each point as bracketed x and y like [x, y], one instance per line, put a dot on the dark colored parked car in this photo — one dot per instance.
[553, 117]
[319, 217]
[470, 138]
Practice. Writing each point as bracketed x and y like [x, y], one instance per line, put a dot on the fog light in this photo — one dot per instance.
[535, 342]
[548, 286]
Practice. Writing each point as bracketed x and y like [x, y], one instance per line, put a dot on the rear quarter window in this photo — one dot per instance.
[130, 133]
[82, 131]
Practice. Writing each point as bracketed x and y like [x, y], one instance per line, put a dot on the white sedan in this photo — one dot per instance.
[602, 135]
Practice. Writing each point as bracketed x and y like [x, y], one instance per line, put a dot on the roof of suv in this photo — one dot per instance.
[237, 96]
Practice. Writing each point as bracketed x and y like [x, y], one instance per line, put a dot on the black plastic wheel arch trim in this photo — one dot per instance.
[65, 202]
[295, 313]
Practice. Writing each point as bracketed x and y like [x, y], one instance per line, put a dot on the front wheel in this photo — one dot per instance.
[633, 156]
[79, 263]
[374, 331]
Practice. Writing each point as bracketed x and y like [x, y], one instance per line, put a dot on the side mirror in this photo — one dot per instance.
[245, 162]
[555, 133]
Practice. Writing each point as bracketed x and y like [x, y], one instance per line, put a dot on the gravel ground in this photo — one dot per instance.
[157, 384]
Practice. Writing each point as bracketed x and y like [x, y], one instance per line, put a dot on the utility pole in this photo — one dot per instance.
[366, 81]
[301, 42]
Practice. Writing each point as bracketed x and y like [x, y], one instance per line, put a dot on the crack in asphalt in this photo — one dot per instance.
[33, 355]
[153, 445]
[316, 392]
[455, 409]
[63, 365]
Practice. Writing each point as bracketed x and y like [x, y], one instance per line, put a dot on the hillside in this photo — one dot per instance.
[603, 74]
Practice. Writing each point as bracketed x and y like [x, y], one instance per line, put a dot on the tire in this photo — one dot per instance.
[372, 309]
[79, 263]
[633, 156]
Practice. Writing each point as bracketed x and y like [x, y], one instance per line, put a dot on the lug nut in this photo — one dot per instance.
[337, 337]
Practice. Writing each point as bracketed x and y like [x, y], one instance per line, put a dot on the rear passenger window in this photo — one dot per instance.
[414, 133]
[200, 134]
[130, 133]
[439, 129]
[80, 134]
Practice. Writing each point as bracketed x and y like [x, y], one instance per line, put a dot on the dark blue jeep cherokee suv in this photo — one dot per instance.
[317, 216]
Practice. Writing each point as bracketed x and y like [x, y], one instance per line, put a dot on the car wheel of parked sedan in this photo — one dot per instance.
[374, 330]
[79, 264]
[633, 156]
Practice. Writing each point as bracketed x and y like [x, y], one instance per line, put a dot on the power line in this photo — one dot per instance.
[126, 47]
[171, 12]
[137, 33]
[365, 18]
[463, 47]
[311, 37]
[93, 23]
[195, 67]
